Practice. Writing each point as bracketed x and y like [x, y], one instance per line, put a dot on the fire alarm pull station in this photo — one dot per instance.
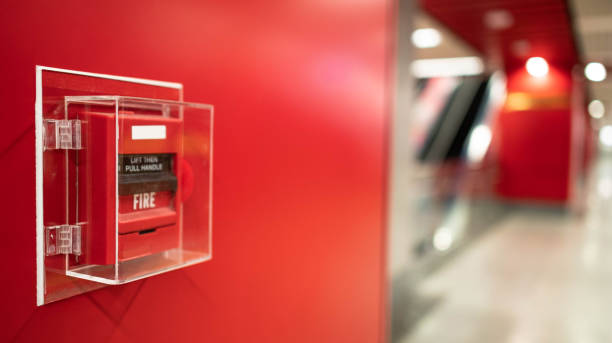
[126, 189]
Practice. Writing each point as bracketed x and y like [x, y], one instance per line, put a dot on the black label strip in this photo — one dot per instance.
[139, 173]
[145, 163]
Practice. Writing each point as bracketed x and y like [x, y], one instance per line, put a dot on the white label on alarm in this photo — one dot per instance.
[148, 132]
[144, 200]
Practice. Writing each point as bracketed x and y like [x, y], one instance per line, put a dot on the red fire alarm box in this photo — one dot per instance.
[134, 177]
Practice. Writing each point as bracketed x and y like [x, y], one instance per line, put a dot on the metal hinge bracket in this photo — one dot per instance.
[62, 134]
[63, 239]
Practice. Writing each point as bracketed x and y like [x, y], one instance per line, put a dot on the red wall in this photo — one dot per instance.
[534, 143]
[301, 104]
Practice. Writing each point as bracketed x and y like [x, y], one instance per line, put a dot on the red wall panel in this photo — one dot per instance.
[301, 104]
[534, 142]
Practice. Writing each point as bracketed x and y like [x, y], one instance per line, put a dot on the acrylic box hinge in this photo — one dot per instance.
[62, 134]
[63, 239]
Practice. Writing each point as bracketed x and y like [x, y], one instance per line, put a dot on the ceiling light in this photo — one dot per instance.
[447, 67]
[537, 67]
[596, 109]
[520, 47]
[498, 19]
[426, 38]
[605, 136]
[595, 71]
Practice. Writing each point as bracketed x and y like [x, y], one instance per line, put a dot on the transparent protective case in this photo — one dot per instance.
[127, 187]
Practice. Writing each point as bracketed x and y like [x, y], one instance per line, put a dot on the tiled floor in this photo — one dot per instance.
[538, 275]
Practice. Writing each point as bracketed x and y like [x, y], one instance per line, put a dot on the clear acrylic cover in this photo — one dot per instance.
[129, 181]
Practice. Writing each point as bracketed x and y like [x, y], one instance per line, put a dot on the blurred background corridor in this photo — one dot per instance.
[535, 274]
[502, 190]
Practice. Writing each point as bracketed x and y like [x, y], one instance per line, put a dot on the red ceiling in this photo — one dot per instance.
[545, 24]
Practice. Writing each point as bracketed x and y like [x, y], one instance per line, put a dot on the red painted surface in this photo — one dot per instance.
[132, 243]
[301, 104]
[534, 144]
[545, 26]
[97, 170]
